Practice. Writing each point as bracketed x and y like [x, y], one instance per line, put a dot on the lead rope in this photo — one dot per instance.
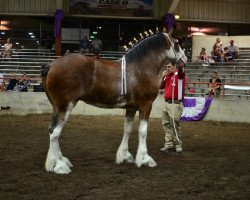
[123, 76]
[175, 131]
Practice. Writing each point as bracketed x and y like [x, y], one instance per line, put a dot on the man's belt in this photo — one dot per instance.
[175, 101]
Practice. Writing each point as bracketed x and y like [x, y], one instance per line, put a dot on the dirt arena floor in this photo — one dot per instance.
[214, 165]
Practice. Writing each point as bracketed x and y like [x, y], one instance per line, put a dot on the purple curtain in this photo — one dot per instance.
[168, 21]
[59, 14]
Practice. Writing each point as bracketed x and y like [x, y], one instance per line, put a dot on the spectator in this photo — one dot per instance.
[7, 49]
[84, 45]
[218, 81]
[12, 83]
[203, 55]
[96, 46]
[2, 85]
[227, 55]
[234, 49]
[23, 84]
[67, 52]
[216, 53]
[213, 86]
[218, 43]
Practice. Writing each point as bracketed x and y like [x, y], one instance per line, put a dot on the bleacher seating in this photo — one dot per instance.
[29, 61]
[235, 72]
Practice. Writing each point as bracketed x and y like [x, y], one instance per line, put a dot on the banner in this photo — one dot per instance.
[235, 87]
[135, 8]
[195, 108]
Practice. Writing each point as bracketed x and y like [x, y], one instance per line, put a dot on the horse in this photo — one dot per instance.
[105, 84]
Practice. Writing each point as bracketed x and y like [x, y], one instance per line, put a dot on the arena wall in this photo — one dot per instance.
[37, 103]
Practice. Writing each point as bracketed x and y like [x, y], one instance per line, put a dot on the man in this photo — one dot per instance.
[173, 83]
[96, 46]
[233, 49]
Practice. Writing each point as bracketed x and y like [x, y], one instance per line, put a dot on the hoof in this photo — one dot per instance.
[59, 166]
[124, 156]
[145, 160]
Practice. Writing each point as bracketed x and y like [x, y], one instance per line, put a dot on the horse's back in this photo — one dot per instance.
[77, 77]
[69, 77]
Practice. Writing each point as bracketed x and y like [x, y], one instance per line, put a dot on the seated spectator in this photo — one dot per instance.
[2, 85]
[96, 47]
[7, 49]
[217, 53]
[67, 52]
[12, 83]
[23, 84]
[215, 76]
[227, 55]
[218, 42]
[84, 45]
[234, 49]
[203, 55]
[213, 87]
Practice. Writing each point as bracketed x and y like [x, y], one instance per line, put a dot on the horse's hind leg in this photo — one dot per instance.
[55, 161]
[142, 157]
[123, 154]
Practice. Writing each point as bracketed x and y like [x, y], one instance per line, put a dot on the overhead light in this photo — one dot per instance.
[30, 33]
[2, 33]
[177, 16]
[17, 43]
[32, 36]
[94, 32]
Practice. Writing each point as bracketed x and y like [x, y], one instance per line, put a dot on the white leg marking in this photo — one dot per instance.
[142, 157]
[55, 161]
[123, 154]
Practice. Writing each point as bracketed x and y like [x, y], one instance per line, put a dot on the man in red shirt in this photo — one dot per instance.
[173, 83]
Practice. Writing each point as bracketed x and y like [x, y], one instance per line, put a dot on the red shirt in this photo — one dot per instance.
[179, 82]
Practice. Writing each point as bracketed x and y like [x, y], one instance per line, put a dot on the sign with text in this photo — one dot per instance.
[132, 8]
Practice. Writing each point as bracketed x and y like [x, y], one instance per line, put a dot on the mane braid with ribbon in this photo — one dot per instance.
[146, 48]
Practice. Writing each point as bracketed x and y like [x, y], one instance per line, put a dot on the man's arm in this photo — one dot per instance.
[162, 80]
[181, 72]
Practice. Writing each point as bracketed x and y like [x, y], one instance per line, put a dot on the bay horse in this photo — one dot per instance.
[97, 82]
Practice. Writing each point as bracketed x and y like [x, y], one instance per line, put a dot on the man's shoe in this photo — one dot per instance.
[167, 149]
[178, 149]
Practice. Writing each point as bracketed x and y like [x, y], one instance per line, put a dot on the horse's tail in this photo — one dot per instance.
[45, 69]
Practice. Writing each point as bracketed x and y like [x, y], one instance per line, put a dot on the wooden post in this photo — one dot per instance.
[58, 45]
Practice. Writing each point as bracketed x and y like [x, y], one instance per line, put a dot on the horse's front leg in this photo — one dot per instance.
[123, 153]
[142, 157]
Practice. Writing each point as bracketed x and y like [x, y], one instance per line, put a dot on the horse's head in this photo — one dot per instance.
[175, 53]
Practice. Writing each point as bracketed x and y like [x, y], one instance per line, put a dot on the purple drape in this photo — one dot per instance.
[188, 103]
[168, 21]
[59, 14]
